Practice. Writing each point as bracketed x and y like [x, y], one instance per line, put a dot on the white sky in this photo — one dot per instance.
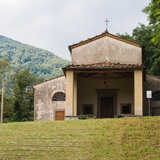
[56, 24]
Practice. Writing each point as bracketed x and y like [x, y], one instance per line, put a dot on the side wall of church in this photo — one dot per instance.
[152, 84]
[44, 107]
[107, 49]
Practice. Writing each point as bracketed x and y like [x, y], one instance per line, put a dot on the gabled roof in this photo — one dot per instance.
[101, 36]
[47, 80]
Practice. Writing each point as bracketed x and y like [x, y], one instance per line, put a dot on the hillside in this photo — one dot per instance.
[42, 63]
[92, 139]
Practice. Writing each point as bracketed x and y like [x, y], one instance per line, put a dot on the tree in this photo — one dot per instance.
[151, 51]
[23, 95]
[153, 12]
[8, 108]
[4, 66]
[143, 35]
[150, 37]
[4, 63]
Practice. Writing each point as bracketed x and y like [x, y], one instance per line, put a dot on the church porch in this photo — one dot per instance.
[103, 92]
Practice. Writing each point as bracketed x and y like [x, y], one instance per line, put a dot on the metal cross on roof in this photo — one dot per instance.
[106, 21]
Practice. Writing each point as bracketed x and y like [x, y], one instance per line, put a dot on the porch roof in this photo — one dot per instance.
[104, 66]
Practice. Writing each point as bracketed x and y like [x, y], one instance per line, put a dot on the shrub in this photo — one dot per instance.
[82, 117]
[119, 116]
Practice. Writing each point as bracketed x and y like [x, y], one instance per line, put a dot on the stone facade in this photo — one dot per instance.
[44, 106]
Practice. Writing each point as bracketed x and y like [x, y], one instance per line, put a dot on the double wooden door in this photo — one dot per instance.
[107, 107]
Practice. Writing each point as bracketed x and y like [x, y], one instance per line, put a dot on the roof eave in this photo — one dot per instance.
[100, 69]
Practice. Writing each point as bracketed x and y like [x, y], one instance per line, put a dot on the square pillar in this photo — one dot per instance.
[138, 93]
[75, 96]
[71, 94]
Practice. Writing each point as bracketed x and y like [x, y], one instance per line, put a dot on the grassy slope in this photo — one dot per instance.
[101, 139]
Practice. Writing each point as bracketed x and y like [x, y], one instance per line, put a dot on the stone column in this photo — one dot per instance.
[75, 96]
[69, 93]
[138, 93]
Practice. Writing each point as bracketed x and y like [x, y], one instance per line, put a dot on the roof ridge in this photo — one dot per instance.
[100, 36]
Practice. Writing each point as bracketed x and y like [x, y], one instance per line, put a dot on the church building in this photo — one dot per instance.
[106, 78]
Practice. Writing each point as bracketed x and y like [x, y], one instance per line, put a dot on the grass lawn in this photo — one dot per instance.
[92, 139]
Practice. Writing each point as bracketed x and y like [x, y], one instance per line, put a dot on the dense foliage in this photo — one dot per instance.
[4, 66]
[23, 95]
[42, 63]
[153, 12]
[143, 35]
[19, 97]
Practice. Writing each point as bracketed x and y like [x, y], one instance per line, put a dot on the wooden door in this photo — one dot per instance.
[106, 107]
[59, 115]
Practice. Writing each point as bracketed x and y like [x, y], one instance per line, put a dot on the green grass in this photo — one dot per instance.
[92, 139]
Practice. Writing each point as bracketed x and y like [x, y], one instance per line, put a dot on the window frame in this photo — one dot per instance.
[91, 108]
[126, 105]
[59, 96]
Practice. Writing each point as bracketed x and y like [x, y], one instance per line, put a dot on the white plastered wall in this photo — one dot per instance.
[87, 92]
[107, 49]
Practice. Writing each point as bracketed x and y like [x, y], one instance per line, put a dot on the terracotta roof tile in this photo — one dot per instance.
[105, 65]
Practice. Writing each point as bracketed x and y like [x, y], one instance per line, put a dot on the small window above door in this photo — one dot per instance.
[59, 96]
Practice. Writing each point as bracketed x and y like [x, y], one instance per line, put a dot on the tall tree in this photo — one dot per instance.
[153, 12]
[23, 95]
[151, 51]
[4, 63]
[150, 37]
[4, 66]
[142, 34]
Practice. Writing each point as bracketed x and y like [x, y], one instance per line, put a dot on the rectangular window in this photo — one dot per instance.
[126, 108]
[88, 109]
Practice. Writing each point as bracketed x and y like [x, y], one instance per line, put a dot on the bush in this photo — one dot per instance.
[24, 120]
[119, 116]
[82, 117]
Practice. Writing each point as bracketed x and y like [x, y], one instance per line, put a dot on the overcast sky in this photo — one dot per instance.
[55, 24]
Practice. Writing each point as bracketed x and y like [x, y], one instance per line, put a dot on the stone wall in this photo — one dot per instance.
[44, 107]
[152, 83]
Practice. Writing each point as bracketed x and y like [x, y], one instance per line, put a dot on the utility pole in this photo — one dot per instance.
[2, 100]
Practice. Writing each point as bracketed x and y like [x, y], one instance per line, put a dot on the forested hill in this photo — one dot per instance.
[42, 63]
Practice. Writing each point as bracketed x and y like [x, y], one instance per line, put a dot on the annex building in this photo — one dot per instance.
[106, 78]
